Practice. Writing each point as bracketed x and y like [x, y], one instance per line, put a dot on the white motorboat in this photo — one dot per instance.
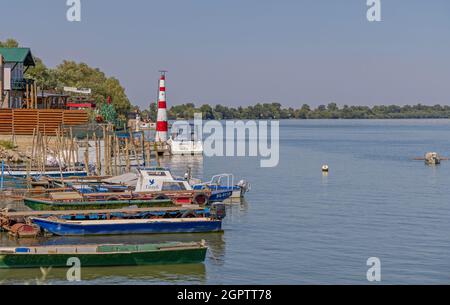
[161, 180]
[184, 143]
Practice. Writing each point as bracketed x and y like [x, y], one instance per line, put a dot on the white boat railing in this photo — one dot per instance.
[219, 180]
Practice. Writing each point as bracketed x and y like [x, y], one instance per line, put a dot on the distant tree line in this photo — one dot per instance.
[330, 111]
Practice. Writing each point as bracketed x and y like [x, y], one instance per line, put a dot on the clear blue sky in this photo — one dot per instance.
[240, 52]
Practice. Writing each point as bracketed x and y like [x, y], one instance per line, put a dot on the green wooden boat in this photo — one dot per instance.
[103, 255]
[51, 205]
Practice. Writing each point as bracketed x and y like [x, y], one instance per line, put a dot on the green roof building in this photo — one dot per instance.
[18, 55]
[16, 63]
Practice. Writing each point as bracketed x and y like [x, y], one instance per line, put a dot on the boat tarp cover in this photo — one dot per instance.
[131, 248]
[66, 196]
[126, 179]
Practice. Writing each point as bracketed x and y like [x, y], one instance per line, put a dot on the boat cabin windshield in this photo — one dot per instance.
[157, 173]
[184, 132]
[173, 186]
[160, 180]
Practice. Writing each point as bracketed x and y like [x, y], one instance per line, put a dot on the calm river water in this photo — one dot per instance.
[299, 226]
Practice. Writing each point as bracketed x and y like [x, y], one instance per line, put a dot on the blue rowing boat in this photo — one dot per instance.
[63, 227]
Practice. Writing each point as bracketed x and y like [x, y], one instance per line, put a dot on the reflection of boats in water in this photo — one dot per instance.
[236, 209]
[111, 275]
[178, 164]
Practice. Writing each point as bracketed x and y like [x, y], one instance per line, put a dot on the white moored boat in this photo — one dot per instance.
[182, 144]
[181, 147]
[162, 181]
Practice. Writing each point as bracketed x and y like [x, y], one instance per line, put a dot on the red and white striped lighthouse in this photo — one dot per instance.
[161, 122]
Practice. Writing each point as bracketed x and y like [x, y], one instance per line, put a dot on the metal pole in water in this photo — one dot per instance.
[3, 172]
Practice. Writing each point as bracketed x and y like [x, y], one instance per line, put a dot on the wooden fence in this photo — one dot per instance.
[24, 121]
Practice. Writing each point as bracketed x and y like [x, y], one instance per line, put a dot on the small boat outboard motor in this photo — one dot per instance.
[245, 186]
[218, 210]
[188, 174]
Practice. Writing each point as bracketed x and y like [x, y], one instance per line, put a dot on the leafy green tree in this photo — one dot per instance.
[108, 113]
[150, 113]
[332, 107]
[207, 112]
[9, 43]
[44, 77]
[80, 75]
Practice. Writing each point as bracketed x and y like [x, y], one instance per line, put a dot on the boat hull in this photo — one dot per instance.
[44, 205]
[220, 195]
[182, 256]
[237, 194]
[184, 148]
[119, 228]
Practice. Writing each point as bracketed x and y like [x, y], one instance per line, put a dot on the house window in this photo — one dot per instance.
[17, 73]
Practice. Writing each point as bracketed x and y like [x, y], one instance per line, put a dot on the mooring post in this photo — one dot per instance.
[3, 172]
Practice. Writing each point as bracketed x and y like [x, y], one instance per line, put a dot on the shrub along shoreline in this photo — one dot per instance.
[330, 111]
